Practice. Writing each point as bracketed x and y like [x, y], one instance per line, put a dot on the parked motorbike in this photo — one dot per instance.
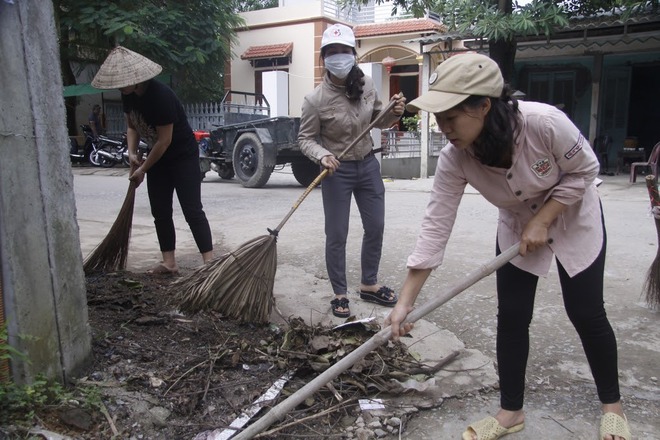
[112, 151]
[208, 157]
[109, 152]
[83, 153]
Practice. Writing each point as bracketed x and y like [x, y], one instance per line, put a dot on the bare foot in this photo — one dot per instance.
[163, 269]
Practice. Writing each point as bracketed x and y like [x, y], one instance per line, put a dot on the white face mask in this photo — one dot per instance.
[340, 64]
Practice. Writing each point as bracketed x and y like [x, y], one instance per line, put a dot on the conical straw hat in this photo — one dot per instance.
[123, 68]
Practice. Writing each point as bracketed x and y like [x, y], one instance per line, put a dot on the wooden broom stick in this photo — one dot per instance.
[652, 284]
[380, 338]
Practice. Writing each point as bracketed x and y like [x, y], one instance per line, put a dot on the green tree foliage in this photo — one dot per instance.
[501, 21]
[191, 39]
[504, 19]
[623, 8]
[253, 5]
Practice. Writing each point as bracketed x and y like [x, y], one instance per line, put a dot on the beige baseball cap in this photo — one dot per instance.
[123, 68]
[458, 78]
[338, 34]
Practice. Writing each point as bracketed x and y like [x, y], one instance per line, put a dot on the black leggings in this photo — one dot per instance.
[583, 301]
[182, 175]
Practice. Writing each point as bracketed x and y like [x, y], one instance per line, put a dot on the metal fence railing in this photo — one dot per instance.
[400, 144]
[201, 116]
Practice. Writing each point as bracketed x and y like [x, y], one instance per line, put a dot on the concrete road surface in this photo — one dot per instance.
[561, 399]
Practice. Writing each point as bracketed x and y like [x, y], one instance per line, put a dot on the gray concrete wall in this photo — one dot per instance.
[43, 281]
[406, 167]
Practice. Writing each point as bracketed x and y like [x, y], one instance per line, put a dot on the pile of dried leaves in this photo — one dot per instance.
[165, 375]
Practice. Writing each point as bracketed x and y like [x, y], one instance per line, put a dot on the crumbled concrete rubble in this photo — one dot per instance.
[374, 424]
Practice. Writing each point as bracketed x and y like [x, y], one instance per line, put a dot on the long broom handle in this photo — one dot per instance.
[324, 173]
[284, 407]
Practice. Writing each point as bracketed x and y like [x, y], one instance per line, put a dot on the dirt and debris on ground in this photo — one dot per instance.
[163, 375]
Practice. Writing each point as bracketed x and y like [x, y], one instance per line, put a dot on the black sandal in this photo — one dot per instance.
[384, 296]
[340, 303]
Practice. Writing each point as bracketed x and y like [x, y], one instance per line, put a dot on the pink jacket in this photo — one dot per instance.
[551, 160]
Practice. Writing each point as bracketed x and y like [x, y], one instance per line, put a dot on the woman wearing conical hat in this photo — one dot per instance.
[155, 114]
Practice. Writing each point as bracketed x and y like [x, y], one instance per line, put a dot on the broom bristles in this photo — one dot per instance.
[652, 284]
[238, 284]
[110, 255]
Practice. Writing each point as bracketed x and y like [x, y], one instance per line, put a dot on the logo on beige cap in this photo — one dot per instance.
[433, 78]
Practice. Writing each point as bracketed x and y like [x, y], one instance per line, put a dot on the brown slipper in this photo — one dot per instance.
[161, 269]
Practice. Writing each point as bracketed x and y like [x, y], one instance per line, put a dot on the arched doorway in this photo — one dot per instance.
[401, 73]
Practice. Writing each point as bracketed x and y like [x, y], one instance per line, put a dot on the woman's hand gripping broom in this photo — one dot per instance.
[239, 284]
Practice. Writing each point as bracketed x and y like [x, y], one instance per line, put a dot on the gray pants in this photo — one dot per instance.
[361, 178]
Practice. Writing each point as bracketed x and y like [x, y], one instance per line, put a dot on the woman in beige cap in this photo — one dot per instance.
[529, 160]
[340, 108]
[155, 114]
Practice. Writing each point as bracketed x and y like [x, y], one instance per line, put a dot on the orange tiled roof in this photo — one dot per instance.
[268, 51]
[416, 25]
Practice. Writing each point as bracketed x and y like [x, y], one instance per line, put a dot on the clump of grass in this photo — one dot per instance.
[19, 404]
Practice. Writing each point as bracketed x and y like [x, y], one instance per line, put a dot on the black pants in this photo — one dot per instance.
[182, 175]
[583, 301]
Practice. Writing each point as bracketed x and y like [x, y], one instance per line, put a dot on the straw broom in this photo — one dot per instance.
[380, 338]
[110, 255]
[239, 284]
[652, 284]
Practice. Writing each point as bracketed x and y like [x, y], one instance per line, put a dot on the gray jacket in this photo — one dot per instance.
[330, 122]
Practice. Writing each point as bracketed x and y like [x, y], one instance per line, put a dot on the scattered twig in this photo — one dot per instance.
[308, 418]
[333, 390]
[427, 336]
[208, 377]
[104, 411]
[190, 370]
[437, 367]
[560, 424]
[278, 311]
[460, 370]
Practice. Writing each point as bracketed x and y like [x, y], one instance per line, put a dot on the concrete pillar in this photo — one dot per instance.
[424, 87]
[275, 86]
[595, 96]
[43, 284]
[375, 71]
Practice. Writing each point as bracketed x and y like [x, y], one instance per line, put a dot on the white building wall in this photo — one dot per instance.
[301, 69]
[292, 11]
[294, 21]
[276, 91]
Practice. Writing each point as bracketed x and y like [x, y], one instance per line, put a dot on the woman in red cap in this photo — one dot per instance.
[340, 108]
